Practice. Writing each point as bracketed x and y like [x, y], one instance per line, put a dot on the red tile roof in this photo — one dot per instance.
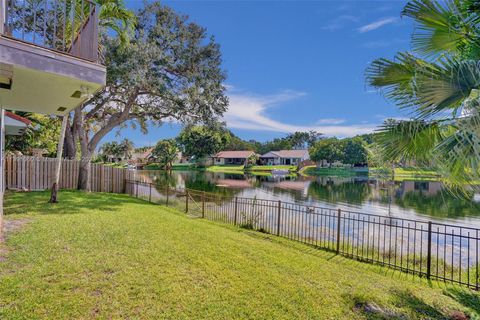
[234, 154]
[18, 118]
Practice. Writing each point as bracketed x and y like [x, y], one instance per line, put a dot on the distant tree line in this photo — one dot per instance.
[198, 142]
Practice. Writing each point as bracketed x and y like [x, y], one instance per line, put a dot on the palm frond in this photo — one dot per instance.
[458, 155]
[426, 87]
[449, 28]
[115, 16]
[409, 140]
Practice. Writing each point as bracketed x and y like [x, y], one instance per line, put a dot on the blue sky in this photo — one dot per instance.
[296, 65]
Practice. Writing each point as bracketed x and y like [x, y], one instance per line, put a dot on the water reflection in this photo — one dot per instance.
[406, 199]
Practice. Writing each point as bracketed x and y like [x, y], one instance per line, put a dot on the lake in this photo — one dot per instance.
[420, 200]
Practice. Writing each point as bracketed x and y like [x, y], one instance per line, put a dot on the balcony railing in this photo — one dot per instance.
[67, 26]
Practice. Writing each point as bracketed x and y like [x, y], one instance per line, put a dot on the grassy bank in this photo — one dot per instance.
[255, 170]
[314, 171]
[226, 169]
[175, 166]
[270, 168]
[111, 256]
[400, 173]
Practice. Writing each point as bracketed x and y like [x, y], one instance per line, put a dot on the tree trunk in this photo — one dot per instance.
[84, 174]
[53, 194]
[70, 150]
[86, 154]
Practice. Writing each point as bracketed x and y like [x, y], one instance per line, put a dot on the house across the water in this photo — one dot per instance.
[232, 157]
[284, 157]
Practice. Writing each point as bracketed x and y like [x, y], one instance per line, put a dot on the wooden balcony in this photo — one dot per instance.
[49, 54]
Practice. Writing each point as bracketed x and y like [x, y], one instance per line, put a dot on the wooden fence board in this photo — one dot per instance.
[33, 173]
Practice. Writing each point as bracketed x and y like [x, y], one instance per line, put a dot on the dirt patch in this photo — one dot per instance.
[9, 227]
[373, 310]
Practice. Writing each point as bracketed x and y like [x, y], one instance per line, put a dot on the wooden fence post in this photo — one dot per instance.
[339, 215]
[279, 216]
[235, 212]
[167, 196]
[203, 204]
[429, 250]
[186, 201]
[111, 177]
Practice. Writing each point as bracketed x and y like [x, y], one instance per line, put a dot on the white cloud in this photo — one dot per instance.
[249, 111]
[339, 22]
[330, 121]
[383, 43]
[377, 24]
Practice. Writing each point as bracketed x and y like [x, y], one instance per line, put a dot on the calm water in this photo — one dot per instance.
[421, 200]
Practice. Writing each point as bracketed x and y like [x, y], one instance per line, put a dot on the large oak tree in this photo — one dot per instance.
[170, 71]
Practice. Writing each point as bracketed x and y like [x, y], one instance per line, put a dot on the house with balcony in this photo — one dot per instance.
[49, 58]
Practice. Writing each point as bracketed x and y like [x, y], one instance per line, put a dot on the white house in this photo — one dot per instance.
[284, 157]
[232, 157]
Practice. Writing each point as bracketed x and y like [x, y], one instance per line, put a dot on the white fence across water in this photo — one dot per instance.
[33, 173]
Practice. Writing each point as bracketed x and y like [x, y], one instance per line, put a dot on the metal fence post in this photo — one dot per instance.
[236, 208]
[186, 201]
[279, 216]
[429, 248]
[203, 204]
[339, 215]
[150, 194]
[136, 189]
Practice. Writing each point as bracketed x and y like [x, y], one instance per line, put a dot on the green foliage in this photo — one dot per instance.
[202, 141]
[43, 133]
[115, 16]
[165, 153]
[331, 150]
[113, 151]
[354, 152]
[441, 88]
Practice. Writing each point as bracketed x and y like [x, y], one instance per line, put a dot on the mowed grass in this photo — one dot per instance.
[236, 169]
[111, 256]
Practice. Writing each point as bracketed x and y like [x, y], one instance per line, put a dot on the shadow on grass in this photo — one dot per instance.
[469, 299]
[70, 202]
[408, 302]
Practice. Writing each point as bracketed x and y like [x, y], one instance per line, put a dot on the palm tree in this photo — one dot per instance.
[126, 148]
[115, 16]
[439, 82]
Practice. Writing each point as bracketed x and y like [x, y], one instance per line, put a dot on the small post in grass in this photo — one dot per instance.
[235, 212]
[203, 204]
[167, 196]
[279, 216]
[186, 201]
[339, 215]
[429, 250]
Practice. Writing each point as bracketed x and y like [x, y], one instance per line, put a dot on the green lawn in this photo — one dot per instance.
[334, 171]
[270, 168]
[400, 173]
[226, 168]
[111, 256]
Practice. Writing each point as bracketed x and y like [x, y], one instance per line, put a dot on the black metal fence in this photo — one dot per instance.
[69, 26]
[434, 250]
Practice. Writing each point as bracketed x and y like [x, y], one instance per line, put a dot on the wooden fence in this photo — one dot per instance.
[32, 173]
